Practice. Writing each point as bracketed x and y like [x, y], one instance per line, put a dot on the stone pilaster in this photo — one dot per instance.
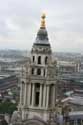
[29, 94]
[33, 92]
[21, 94]
[47, 97]
[25, 94]
[44, 96]
[54, 96]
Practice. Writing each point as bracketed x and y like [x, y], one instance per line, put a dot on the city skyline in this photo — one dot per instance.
[20, 21]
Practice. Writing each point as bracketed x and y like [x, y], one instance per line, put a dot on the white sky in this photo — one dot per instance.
[20, 21]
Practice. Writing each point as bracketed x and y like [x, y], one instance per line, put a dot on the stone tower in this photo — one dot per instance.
[38, 83]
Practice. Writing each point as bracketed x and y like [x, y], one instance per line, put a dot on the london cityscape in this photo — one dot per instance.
[41, 62]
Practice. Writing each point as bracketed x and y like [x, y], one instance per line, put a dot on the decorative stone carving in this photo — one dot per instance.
[16, 117]
[41, 49]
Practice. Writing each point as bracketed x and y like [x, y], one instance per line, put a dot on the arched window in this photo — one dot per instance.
[37, 93]
[33, 58]
[39, 59]
[38, 71]
[46, 60]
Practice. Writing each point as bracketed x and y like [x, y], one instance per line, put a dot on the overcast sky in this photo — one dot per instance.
[20, 21]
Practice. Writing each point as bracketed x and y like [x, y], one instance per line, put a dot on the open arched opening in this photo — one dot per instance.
[37, 93]
[39, 59]
[38, 71]
[46, 60]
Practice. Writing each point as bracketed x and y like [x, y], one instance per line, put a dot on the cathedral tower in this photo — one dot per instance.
[38, 84]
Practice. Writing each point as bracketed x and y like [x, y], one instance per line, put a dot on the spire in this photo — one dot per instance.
[43, 21]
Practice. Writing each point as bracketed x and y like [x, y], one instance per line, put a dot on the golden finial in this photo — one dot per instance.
[43, 20]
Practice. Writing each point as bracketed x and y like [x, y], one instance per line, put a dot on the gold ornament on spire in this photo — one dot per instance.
[43, 20]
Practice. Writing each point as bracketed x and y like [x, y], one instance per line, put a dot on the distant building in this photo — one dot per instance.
[74, 99]
[7, 81]
[68, 67]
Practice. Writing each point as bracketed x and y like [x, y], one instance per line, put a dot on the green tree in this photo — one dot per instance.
[7, 107]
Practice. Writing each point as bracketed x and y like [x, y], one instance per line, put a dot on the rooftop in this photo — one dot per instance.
[76, 115]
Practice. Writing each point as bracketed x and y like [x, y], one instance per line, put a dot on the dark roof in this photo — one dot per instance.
[8, 82]
[42, 37]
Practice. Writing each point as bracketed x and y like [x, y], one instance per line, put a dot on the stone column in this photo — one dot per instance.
[53, 96]
[25, 93]
[44, 96]
[75, 122]
[40, 97]
[47, 96]
[33, 89]
[35, 72]
[21, 94]
[29, 93]
[81, 122]
[42, 72]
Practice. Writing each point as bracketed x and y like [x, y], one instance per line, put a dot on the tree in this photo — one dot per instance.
[7, 107]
